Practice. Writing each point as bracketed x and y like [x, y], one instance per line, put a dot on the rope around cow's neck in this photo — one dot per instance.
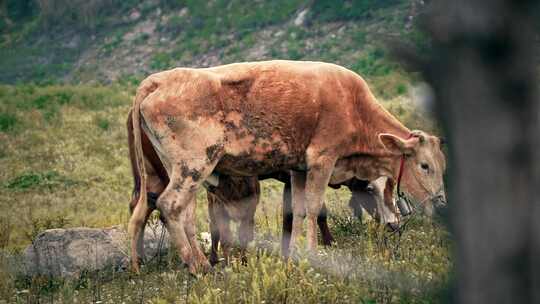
[401, 166]
[401, 195]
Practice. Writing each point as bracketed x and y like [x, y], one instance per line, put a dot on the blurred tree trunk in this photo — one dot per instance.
[483, 69]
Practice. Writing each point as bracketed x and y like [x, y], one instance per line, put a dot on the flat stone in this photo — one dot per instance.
[69, 252]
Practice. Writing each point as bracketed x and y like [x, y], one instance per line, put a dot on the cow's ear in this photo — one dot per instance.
[398, 146]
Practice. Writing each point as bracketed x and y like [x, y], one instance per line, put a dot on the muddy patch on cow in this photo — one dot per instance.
[213, 151]
[186, 172]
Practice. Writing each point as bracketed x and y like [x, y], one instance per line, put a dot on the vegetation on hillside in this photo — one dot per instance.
[103, 41]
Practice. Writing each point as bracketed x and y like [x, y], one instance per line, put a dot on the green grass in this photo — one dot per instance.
[68, 143]
[73, 171]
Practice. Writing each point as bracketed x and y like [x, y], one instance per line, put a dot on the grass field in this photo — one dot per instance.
[64, 163]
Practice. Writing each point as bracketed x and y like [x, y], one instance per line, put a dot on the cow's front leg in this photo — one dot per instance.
[318, 177]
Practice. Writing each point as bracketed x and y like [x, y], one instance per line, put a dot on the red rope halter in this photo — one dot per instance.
[401, 165]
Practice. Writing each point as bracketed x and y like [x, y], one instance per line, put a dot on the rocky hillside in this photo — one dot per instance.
[103, 41]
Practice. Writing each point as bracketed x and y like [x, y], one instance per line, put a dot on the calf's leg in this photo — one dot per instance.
[298, 183]
[224, 225]
[214, 229]
[322, 222]
[247, 222]
[287, 220]
[191, 232]
[245, 235]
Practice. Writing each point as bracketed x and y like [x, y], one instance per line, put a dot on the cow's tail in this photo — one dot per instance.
[139, 211]
[133, 161]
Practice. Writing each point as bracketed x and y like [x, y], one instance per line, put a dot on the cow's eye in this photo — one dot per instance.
[424, 166]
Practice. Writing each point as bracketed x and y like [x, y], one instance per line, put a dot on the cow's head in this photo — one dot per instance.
[424, 166]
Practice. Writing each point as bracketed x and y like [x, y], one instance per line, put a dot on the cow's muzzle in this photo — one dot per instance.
[439, 201]
[440, 205]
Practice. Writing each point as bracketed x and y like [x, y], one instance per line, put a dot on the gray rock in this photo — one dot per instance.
[135, 15]
[69, 252]
[301, 17]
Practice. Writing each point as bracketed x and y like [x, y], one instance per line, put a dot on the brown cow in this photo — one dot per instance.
[318, 120]
[235, 198]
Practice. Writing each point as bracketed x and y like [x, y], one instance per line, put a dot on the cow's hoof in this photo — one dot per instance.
[214, 260]
[392, 227]
[203, 266]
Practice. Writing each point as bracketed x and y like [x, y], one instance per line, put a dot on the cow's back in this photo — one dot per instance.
[268, 111]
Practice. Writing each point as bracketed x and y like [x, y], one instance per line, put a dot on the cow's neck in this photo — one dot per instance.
[375, 119]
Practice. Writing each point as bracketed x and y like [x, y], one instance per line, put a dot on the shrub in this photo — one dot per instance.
[102, 123]
[43, 180]
[374, 63]
[359, 37]
[161, 61]
[294, 50]
[329, 10]
[7, 122]
[401, 89]
[80, 13]
[17, 10]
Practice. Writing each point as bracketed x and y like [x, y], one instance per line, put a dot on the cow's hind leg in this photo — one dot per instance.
[140, 214]
[137, 222]
[177, 204]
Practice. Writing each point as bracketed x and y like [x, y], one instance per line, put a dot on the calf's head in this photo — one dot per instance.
[424, 166]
